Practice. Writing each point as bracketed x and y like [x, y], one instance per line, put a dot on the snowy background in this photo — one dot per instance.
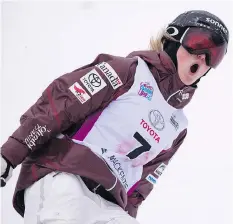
[43, 40]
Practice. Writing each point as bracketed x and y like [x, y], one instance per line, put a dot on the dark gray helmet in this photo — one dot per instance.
[201, 18]
[201, 32]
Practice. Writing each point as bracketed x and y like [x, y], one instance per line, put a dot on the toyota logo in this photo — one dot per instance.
[94, 79]
[156, 119]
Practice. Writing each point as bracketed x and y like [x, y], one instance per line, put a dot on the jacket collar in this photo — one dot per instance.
[174, 91]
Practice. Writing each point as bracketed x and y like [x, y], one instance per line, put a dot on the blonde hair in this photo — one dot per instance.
[156, 42]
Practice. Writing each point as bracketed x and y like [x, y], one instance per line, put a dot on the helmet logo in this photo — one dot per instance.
[217, 24]
[172, 31]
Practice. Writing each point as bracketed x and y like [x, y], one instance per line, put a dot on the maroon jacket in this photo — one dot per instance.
[59, 111]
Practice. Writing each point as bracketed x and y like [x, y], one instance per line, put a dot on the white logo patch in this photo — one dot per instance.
[79, 92]
[93, 82]
[160, 169]
[151, 179]
[110, 74]
[185, 96]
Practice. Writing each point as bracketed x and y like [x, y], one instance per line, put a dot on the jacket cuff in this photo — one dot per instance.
[14, 152]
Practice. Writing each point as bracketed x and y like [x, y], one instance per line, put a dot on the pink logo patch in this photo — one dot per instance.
[146, 90]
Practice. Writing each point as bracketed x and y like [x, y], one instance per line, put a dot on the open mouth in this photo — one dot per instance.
[194, 68]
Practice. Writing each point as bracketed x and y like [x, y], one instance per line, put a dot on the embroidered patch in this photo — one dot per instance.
[146, 90]
[160, 169]
[93, 82]
[151, 179]
[110, 74]
[185, 96]
[79, 92]
[174, 123]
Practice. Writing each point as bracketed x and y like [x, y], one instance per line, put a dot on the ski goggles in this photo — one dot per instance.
[203, 41]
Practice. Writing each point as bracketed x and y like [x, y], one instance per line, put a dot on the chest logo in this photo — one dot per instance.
[150, 131]
[174, 122]
[146, 90]
[157, 120]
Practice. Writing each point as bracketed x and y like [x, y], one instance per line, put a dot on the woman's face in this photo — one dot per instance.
[190, 66]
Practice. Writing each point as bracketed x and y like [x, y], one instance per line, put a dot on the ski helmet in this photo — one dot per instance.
[201, 32]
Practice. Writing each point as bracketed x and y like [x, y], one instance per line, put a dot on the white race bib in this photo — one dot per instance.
[135, 128]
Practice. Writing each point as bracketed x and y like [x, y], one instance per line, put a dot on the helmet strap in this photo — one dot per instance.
[171, 48]
[195, 83]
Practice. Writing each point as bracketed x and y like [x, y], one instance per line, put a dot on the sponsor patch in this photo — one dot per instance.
[146, 90]
[174, 123]
[110, 74]
[118, 167]
[185, 96]
[157, 120]
[93, 82]
[160, 169]
[150, 131]
[151, 179]
[79, 92]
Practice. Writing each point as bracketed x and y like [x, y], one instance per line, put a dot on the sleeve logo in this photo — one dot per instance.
[79, 92]
[110, 74]
[93, 82]
[151, 179]
[160, 169]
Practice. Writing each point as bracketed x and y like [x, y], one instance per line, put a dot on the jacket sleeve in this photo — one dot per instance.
[154, 168]
[66, 101]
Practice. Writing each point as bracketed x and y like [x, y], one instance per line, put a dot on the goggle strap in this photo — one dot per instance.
[181, 39]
